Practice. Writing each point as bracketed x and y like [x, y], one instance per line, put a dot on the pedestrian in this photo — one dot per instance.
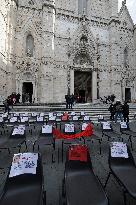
[6, 106]
[126, 112]
[118, 110]
[66, 98]
[112, 111]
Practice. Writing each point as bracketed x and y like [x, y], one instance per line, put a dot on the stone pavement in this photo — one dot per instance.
[54, 171]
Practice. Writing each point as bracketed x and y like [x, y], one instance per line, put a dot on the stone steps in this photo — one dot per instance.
[92, 110]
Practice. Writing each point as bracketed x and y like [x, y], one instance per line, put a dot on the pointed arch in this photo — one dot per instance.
[29, 45]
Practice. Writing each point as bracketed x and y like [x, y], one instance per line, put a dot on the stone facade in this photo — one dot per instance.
[51, 43]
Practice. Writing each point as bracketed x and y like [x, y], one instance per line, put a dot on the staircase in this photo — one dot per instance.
[93, 110]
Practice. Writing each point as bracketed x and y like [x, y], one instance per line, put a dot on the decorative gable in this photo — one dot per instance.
[125, 18]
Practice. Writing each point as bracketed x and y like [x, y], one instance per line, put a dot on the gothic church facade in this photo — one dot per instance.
[53, 47]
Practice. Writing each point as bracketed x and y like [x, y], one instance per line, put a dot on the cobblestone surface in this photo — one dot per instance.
[54, 171]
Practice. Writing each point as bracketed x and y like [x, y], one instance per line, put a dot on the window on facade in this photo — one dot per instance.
[126, 61]
[29, 45]
[82, 7]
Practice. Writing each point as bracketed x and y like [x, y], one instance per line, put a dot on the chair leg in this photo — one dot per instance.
[130, 139]
[107, 179]
[62, 147]
[100, 146]
[125, 198]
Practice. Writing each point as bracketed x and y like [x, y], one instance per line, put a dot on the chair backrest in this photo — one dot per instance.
[24, 189]
[121, 162]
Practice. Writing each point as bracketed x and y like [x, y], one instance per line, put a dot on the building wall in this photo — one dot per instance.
[57, 30]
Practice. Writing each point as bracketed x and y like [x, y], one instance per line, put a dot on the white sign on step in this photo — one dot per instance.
[39, 119]
[123, 125]
[13, 119]
[46, 129]
[75, 117]
[106, 126]
[52, 118]
[84, 126]
[119, 149]
[24, 119]
[86, 118]
[69, 128]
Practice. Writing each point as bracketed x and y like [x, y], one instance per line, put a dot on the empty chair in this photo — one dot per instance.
[123, 168]
[80, 185]
[24, 189]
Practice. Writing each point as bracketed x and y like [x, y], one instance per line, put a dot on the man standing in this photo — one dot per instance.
[118, 110]
[112, 111]
[126, 112]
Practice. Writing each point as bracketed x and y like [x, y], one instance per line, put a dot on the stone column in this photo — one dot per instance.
[94, 85]
[94, 80]
[71, 81]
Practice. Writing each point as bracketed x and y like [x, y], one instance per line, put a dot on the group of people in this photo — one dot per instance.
[11, 100]
[69, 101]
[120, 111]
[108, 99]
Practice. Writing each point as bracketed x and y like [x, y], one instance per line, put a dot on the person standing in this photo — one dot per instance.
[118, 111]
[126, 112]
[112, 111]
[6, 106]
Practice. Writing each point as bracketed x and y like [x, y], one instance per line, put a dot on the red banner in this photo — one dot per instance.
[86, 133]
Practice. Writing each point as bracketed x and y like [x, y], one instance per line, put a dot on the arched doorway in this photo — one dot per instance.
[83, 86]
[27, 92]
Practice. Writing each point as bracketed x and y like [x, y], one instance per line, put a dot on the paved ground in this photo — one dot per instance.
[54, 171]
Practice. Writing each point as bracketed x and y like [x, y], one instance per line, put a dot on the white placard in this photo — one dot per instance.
[34, 114]
[123, 125]
[72, 113]
[119, 149]
[86, 118]
[59, 114]
[23, 163]
[50, 114]
[106, 126]
[15, 114]
[52, 118]
[82, 113]
[18, 131]
[25, 114]
[1, 119]
[39, 119]
[75, 117]
[46, 129]
[84, 125]
[13, 119]
[24, 119]
[100, 117]
[4, 115]
[69, 128]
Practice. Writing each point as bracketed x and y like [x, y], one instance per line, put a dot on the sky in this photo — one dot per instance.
[131, 5]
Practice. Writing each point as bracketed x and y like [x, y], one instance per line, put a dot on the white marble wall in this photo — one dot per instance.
[57, 29]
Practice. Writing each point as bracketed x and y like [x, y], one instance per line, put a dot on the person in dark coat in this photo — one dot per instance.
[112, 111]
[6, 106]
[118, 111]
[66, 98]
[126, 112]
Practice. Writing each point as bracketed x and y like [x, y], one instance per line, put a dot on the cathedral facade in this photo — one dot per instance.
[49, 48]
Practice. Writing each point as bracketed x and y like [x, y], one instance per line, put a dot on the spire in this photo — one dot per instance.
[123, 2]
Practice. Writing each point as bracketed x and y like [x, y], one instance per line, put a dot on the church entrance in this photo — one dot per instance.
[27, 92]
[128, 94]
[83, 86]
